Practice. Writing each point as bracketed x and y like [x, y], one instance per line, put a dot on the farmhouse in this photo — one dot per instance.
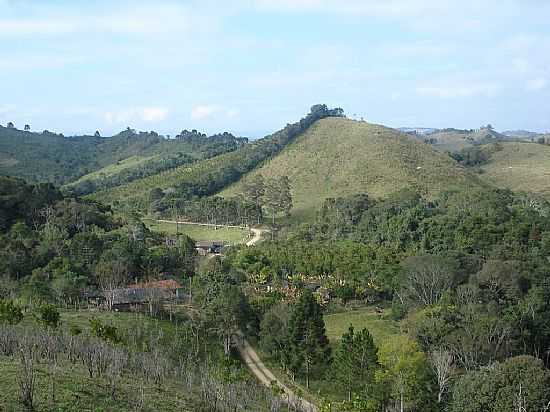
[150, 293]
[205, 247]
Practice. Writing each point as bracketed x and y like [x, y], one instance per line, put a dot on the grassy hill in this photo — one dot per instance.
[209, 176]
[522, 167]
[339, 157]
[454, 140]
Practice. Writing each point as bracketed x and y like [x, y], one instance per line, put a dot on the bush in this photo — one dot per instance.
[108, 333]
[10, 313]
[48, 316]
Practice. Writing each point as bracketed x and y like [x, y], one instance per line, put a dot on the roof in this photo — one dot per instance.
[129, 295]
[209, 243]
[158, 284]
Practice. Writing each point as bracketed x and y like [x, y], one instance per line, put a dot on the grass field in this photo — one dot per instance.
[197, 232]
[340, 157]
[381, 328]
[113, 169]
[522, 167]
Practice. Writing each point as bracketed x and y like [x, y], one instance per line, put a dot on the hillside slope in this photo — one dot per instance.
[207, 177]
[50, 157]
[523, 167]
[339, 157]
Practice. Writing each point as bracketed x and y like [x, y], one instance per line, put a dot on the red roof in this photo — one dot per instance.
[158, 284]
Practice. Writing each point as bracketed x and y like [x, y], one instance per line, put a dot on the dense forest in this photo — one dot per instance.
[466, 275]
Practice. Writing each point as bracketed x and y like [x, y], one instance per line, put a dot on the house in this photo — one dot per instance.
[149, 293]
[205, 247]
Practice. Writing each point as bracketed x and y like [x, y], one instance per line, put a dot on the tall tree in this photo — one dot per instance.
[355, 361]
[254, 190]
[405, 375]
[308, 343]
[278, 197]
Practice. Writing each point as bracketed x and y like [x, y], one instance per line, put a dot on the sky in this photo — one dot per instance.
[252, 66]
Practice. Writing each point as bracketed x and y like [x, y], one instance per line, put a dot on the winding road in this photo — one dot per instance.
[247, 353]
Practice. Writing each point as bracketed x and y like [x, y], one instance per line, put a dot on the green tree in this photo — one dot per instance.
[355, 362]
[278, 196]
[48, 316]
[517, 384]
[254, 190]
[405, 379]
[274, 331]
[309, 349]
[10, 313]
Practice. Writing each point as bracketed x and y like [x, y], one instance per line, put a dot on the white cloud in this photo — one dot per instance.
[160, 19]
[206, 111]
[144, 114]
[459, 90]
[537, 84]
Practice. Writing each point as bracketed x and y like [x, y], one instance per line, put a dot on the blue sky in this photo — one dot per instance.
[251, 66]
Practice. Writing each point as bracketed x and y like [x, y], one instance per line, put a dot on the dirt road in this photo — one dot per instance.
[257, 236]
[266, 377]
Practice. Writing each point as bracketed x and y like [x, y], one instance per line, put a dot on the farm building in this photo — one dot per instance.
[141, 294]
[205, 247]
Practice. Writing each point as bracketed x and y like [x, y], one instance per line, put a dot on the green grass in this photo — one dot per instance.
[114, 168]
[339, 157]
[75, 391]
[522, 167]
[198, 232]
[379, 325]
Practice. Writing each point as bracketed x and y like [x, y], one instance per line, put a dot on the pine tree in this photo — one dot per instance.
[254, 191]
[308, 344]
[355, 361]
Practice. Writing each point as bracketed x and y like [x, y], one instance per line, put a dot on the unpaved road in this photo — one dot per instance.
[266, 377]
[257, 236]
[247, 352]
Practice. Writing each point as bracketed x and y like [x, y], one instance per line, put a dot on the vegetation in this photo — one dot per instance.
[50, 157]
[210, 176]
[409, 284]
[231, 235]
[340, 157]
[520, 167]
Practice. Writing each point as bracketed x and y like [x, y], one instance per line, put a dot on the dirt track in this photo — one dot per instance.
[266, 377]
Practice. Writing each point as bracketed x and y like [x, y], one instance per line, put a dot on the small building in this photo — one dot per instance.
[149, 293]
[212, 246]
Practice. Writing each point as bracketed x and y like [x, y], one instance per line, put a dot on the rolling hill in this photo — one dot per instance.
[207, 177]
[521, 167]
[453, 140]
[50, 157]
[339, 157]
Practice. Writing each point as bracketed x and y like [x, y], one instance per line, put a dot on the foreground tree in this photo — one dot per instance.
[517, 384]
[405, 379]
[355, 362]
[308, 344]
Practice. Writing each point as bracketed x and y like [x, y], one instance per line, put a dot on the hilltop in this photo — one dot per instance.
[339, 157]
[207, 177]
[453, 140]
